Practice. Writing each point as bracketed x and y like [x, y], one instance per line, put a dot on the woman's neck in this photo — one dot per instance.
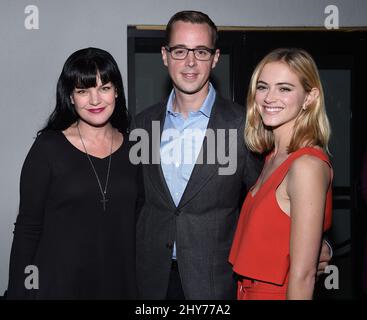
[93, 133]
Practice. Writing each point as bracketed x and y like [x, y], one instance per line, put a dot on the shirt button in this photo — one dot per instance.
[177, 164]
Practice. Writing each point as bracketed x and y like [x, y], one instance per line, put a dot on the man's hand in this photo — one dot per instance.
[324, 258]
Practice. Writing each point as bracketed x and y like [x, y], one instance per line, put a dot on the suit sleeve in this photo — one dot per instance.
[364, 177]
[141, 192]
[34, 185]
[251, 170]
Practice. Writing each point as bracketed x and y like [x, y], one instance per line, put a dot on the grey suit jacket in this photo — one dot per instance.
[203, 223]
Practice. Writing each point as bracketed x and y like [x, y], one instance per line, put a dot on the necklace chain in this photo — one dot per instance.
[103, 191]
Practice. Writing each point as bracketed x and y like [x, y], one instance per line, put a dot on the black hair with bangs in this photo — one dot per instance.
[80, 71]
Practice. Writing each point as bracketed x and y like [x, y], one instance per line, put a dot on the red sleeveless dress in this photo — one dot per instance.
[260, 249]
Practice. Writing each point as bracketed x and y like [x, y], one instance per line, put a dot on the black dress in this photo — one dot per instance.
[81, 251]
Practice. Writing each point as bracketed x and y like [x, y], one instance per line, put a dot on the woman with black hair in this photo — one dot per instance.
[78, 192]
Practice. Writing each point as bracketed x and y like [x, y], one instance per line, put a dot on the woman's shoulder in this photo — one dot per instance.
[47, 139]
[48, 135]
[310, 154]
[44, 148]
[310, 162]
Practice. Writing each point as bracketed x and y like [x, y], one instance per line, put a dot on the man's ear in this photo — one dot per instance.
[216, 58]
[164, 56]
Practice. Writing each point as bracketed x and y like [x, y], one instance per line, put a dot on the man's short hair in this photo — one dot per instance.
[192, 17]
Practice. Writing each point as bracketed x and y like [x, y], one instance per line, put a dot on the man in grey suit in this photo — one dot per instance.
[186, 225]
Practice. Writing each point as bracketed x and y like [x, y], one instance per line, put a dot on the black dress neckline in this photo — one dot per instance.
[82, 152]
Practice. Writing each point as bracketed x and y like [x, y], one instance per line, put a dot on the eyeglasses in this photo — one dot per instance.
[180, 53]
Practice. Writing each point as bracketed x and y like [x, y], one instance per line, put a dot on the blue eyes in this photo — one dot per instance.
[281, 89]
[284, 89]
[260, 88]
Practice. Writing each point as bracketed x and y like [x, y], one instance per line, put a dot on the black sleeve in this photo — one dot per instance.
[34, 185]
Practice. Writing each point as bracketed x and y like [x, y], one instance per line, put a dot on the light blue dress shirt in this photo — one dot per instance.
[181, 143]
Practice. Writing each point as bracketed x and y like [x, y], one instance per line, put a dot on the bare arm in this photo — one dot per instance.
[307, 185]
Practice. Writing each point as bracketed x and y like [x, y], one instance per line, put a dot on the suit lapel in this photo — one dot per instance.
[155, 170]
[202, 173]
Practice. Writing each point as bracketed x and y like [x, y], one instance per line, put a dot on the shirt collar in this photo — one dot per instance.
[206, 107]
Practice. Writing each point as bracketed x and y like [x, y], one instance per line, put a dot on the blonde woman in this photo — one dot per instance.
[278, 239]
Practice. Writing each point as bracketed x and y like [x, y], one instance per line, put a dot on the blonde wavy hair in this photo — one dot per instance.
[311, 127]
